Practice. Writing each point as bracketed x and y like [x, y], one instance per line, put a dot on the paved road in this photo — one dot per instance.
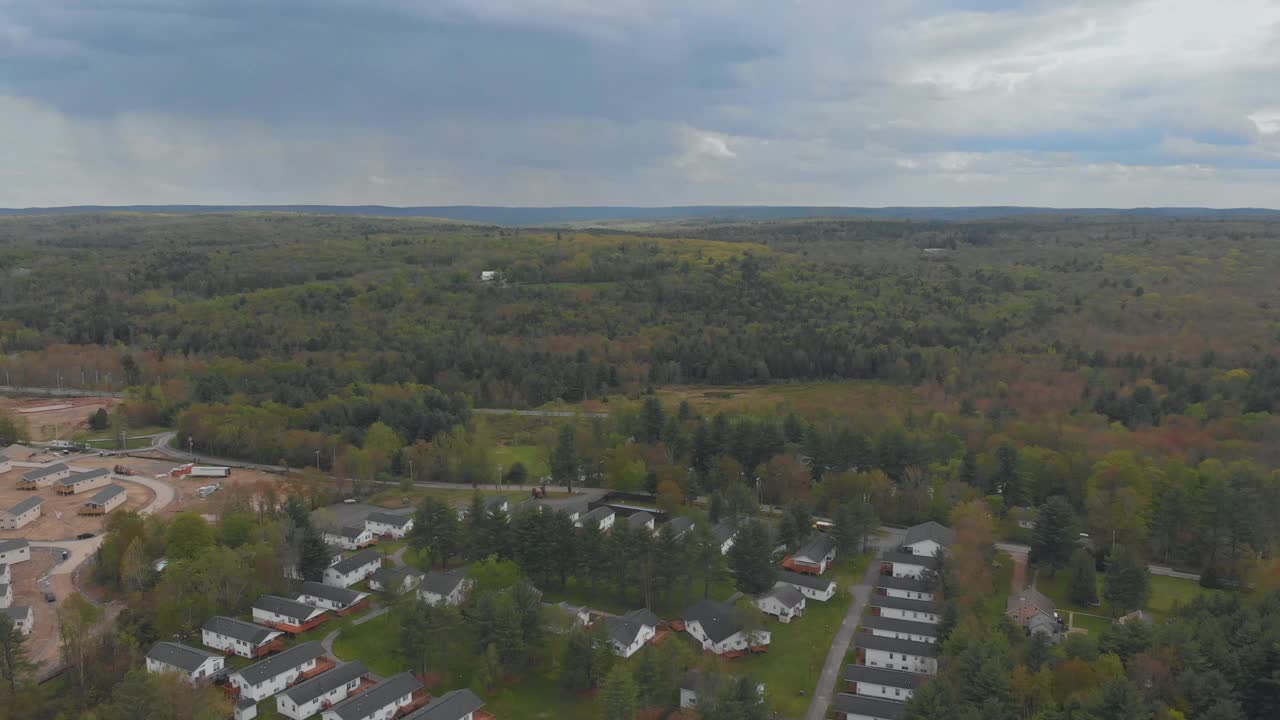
[832, 669]
[57, 392]
[1024, 550]
[539, 413]
[78, 551]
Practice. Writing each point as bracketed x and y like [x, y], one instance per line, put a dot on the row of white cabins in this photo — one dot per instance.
[896, 649]
[13, 552]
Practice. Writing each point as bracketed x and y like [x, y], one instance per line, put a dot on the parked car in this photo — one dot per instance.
[84, 536]
[50, 597]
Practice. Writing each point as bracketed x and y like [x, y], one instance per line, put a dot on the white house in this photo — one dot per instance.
[6, 463]
[382, 524]
[328, 597]
[289, 558]
[453, 705]
[4, 574]
[82, 481]
[398, 580]
[858, 707]
[288, 615]
[602, 517]
[265, 678]
[448, 588]
[43, 476]
[324, 690]
[680, 526]
[628, 633]
[104, 501]
[381, 702]
[901, 564]
[14, 551]
[350, 537]
[723, 535]
[239, 637]
[576, 615]
[783, 602]
[900, 629]
[928, 538]
[488, 275]
[922, 611]
[21, 617]
[575, 508]
[695, 682]
[896, 654]
[716, 627]
[6, 594]
[351, 570]
[811, 586]
[907, 588]
[881, 683]
[193, 664]
[639, 520]
[21, 513]
[814, 557]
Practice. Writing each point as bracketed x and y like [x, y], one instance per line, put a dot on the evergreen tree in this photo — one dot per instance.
[577, 663]
[99, 420]
[1082, 588]
[517, 474]
[651, 420]
[1055, 535]
[14, 664]
[1127, 583]
[564, 458]
[751, 559]
[313, 554]
[619, 696]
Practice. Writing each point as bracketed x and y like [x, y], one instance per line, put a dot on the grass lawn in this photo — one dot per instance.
[376, 642]
[1168, 592]
[578, 593]
[533, 457]
[389, 547]
[798, 649]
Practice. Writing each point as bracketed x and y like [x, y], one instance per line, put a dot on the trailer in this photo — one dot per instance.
[210, 471]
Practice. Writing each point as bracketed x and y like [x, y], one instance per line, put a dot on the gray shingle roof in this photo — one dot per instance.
[179, 655]
[377, 697]
[883, 676]
[597, 516]
[910, 647]
[903, 583]
[14, 544]
[239, 630]
[719, 620]
[389, 519]
[284, 606]
[17, 613]
[812, 582]
[925, 561]
[25, 505]
[102, 496]
[452, 705]
[897, 603]
[680, 525]
[389, 577]
[817, 547]
[280, 663]
[342, 596]
[442, 583]
[305, 692]
[869, 707]
[723, 531]
[787, 595]
[360, 559]
[907, 627]
[74, 478]
[639, 519]
[931, 530]
[351, 532]
[40, 472]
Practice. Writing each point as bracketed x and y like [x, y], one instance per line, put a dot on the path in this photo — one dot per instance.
[834, 665]
[1015, 550]
[397, 557]
[331, 638]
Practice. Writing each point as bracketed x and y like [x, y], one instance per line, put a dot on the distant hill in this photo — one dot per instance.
[494, 215]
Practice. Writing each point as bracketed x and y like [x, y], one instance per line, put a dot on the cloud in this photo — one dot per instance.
[1083, 102]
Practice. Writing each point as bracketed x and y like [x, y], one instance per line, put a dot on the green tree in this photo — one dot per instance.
[132, 373]
[14, 664]
[1055, 535]
[564, 458]
[651, 420]
[751, 559]
[517, 474]
[99, 419]
[313, 554]
[188, 536]
[619, 696]
[1127, 583]
[577, 668]
[1082, 588]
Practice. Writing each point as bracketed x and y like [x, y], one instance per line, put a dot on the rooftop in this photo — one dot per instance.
[638, 519]
[14, 544]
[81, 477]
[883, 676]
[281, 663]
[931, 530]
[1030, 597]
[810, 581]
[817, 547]
[179, 655]
[342, 596]
[305, 692]
[452, 705]
[379, 696]
[718, 620]
[239, 629]
[869, 707]
[25, 505]
[926, 561]
[358, 560]
[442, 583]
[40, 472]
[907, 627]
[903, 583]
[785, 594]
[284, 606]
[105, 494]
[897, 603]
[887, 644]
[389, 519]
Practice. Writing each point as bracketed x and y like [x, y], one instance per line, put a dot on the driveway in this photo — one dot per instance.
[77, 552]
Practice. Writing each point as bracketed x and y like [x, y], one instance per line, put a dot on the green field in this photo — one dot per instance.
[533, 457]
[1166, 594]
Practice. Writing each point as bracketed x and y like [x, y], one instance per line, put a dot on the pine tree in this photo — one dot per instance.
[1083, 586]
[1127, 583]
[751, 559]
[651, 420]
[14, 664]
[1054, 537]
[619, 696]
[564, 458]
[313, 555]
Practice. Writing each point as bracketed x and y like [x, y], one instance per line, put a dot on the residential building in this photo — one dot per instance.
[858, 707]
[497, 504]
[901, 564]
[908, 588]
[388, 525]
[628, 633]
[21, 617]
[900, 629]
[928, 538]
[641, 519]
[104, 501]
[881, 683]
[239, 637]
[14, 551]
[715, 625]
[814, 557]
[324, 690]
[6, 595]
[328, 597]
[6, 463]
[453, 705]
[695, 683]
[43, 476]
[680, 526]
[783, 602]
[82, 482]
[448, 588]
[193, 664]
[351, 570]
[398, 580]
[917, 657]
[21, 514]
[574, 508]
[381, 702]
[288, 615]
[1035, 612]
[263, 679]
[4, 573]
[602, 517]
[289, 558]
[723, 535]
[811, 586]
[576, 615]
[922, 611]
[350, 537]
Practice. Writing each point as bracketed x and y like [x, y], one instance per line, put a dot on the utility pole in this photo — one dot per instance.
[191, 443]
[317, 460]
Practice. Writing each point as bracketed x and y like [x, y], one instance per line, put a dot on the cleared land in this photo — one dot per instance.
[55, 418]
[59, 519]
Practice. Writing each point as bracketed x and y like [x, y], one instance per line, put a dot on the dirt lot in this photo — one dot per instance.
[59, 519]
[51, 418]
[42, 645]
[241, 483]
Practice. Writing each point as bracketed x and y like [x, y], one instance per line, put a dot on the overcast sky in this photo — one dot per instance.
[1113, 103]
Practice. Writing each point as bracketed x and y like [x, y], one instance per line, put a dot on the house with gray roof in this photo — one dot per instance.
[265, 678]
[350, 570]
[328, 597]
[396, 580]
[602, 517]
[447, 588]
[895, 654]
[811, 586]
[104, 501]
[848, 706]
[21, 617]
[453, 705]
[910, 588]
[927, 538]
[384, 700]
[21, 514]
[350, 537]
[680, 526]
[900, 629]
[904, 564]
[193, 664]
[783, 602]
[628, 633]
[389, 524]
[288, 615]
[43, 476]
[640, 519]
[14, 551]
[881, 683]
[723, 535]
[922, 611]
[717, 627]
[82, 481]
[324, 690]
[814, 557]
[245, 639]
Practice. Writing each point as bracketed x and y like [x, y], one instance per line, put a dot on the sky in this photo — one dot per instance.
[1090, 103]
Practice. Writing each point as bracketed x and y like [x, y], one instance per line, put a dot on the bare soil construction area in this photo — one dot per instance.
[55, 418]
[42, 645]
[59, 518]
